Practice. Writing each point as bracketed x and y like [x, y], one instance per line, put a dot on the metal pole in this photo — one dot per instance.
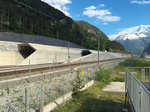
[26, 100]
[69, 56]
[63, 90]
[98, 50]
[42, 97]
[68, 53]
[143, 75]
[149, 74]
[126, 92]
[29, 72]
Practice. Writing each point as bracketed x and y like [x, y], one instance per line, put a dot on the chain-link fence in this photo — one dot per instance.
[33, 96]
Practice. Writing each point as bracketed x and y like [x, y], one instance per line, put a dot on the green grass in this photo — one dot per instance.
[94, 99]
[116, 77]
[133, 62]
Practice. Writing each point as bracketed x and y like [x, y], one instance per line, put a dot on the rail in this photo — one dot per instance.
[136, 92]
[14, 69]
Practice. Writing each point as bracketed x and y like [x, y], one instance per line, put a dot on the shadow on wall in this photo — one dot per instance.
[25, 50]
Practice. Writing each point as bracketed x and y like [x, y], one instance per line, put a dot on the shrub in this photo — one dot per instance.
[133, 62]
[103, 75]
[119, 79]
[77, 84]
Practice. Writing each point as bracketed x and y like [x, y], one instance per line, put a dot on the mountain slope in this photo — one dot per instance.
[93, 33]
[42, 20]
[134, 39]
[35, 17]
[91, 29]
[147, 50]
[38, 18]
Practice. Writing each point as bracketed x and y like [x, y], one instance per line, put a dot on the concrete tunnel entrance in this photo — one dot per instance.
[25, 50]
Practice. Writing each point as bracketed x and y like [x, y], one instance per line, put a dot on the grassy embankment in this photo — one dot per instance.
[94, 99]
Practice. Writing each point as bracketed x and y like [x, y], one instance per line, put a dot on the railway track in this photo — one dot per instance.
[5, 71]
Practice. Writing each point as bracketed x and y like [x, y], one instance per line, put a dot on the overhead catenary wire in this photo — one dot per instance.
[34, 9]
[21, 3]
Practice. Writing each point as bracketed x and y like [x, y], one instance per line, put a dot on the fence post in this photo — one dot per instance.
[42, 97]
[149, 74]
[126, 87]
[63, 90]
[26, 100]
[29, 72]
[142, 75]
[140, 100]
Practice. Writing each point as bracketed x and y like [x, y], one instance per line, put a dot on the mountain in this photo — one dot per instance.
[134, 39]
[38, 18]
[147, 50]
[93, 33]
[35, 17]
[91, 29]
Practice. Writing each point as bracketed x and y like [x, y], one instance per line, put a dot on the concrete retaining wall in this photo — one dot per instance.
[42, 56]
[10, 58]
[50, 54]
[55, 85]
[49, 107]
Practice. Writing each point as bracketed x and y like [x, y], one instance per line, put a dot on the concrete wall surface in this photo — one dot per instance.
[50, 54]
[8, 46]
[49, 107]
[10, 58]
[43, 56]
[56, 84]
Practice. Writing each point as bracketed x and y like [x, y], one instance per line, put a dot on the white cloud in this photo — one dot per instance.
[104, 14]
[102, 5]
[109, 18]
[140, 2]
[92, 12]
[60, 5]
[105, 23]
[90, 8]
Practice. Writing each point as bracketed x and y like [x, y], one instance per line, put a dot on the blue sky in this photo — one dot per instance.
[111, 16]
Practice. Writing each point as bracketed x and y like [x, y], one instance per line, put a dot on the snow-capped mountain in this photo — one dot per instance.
[134, 39]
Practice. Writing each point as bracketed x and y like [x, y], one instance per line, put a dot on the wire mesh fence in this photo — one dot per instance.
[56, 82]
[33, 96]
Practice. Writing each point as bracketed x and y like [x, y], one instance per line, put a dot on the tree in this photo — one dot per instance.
[77, 84]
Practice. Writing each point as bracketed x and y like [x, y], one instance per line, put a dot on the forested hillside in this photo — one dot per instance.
[92, 33]
[35, 17]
